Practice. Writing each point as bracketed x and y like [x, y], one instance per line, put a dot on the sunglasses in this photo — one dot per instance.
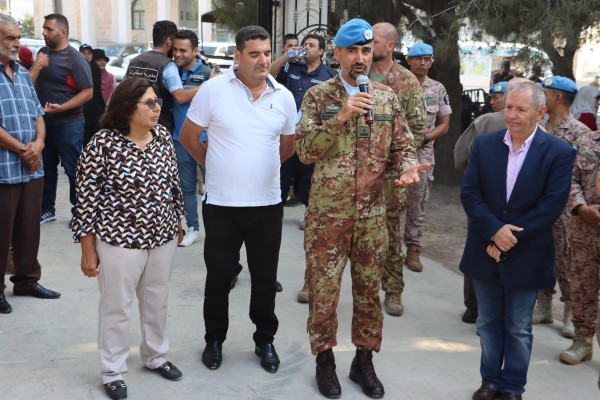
[151, 103]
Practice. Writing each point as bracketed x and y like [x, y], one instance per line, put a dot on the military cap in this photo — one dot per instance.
[560, 83]
[498, 88]
[504, 63]
[354, 32]
[420, 49]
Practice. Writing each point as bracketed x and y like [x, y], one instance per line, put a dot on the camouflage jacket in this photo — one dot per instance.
[583, 190]
[350, 158]
[409, 92]
[569, 129]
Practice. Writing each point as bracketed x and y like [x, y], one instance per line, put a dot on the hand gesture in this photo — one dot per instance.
[504, 238]
[52, 108]
[42, 59]
[411, 175]
[590, 212]
[356, 105]
[90, 263]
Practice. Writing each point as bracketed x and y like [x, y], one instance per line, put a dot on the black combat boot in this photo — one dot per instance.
[363, 373]
[327, 379]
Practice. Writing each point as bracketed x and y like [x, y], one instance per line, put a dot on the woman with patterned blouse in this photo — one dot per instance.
[129, 208]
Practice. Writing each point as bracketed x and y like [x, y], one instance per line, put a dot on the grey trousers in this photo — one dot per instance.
[122, 274]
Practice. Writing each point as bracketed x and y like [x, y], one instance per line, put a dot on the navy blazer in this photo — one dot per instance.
[537, 200]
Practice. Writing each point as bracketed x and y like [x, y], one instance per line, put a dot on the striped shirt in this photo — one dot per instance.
[19, 108]
[515, 160]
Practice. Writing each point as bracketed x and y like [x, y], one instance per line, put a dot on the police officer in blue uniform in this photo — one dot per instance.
[298, 74]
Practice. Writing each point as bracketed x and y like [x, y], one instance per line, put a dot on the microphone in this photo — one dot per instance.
[363, 86]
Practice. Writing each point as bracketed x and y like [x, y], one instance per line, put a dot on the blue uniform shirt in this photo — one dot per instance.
[189, 79]
[298, 80]
[19, 108]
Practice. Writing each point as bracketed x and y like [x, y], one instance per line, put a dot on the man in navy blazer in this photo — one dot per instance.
[515, 187]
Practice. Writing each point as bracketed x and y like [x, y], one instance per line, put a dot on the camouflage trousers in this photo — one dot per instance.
[329, 243]
[585, 277]
[560, 231]
[415, 202]
[392, 280]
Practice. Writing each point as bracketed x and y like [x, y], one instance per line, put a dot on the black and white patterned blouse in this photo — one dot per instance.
[127, 197]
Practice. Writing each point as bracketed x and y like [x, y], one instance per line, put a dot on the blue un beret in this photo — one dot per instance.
[355, 31]
[420, 49]
[498, 88]
[560, 83]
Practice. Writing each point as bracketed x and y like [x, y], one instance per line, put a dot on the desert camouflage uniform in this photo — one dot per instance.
[345, 216]
[569, 130]
[437, 105]
[409, 92]
[585, 238]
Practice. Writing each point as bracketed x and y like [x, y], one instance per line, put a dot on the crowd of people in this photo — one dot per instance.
[356, 143]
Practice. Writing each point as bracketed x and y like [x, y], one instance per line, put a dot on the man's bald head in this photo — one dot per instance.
[386, 31]
[384, 42]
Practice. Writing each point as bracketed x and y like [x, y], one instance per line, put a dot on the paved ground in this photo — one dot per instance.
[48, 347]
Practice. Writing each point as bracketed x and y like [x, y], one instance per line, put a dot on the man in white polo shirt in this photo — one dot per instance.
[250, 122]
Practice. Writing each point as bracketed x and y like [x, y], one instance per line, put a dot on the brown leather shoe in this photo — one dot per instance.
[486, 392]
[327, 380]
[511, 396]
[363, 373]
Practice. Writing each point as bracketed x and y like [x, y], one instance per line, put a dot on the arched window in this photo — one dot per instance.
[138, 14]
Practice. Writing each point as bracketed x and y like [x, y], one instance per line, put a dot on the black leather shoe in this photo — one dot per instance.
[269, 359]
[486, 392]
[278, 287]
[5, 308]
[363, 373]
[38, 291]
[327, 380]
[116, 390]
[470, 316]
[236, 271]
[168, 371]
[212, 355]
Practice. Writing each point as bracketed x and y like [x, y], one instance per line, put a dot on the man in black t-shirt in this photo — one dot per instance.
[63, 87]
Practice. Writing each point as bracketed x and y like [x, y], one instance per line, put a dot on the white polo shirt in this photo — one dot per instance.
[242, 162]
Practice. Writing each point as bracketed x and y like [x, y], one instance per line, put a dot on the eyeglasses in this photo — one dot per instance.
[151, 103]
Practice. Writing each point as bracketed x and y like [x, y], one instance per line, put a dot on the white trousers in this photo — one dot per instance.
[121, 274]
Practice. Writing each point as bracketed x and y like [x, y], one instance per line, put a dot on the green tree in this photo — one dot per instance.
[236, 14]
[27, 26]
[558, 27]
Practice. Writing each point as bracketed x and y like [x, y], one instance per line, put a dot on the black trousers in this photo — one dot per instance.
[227, 228]
[293, 168]
[469, 293]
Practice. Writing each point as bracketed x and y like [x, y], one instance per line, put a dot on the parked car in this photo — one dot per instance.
[220, 53]
[34, 44]
[116, 52]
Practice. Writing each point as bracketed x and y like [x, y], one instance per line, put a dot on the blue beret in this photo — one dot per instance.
[505, 63]
[420, 49]
[355, 31]
[560, 83]
[596, 76]
[498, 88]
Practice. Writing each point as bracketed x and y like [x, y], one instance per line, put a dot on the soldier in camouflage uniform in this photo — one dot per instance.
[584, 204]
[437, 104]
[387, 71]
[560, 93]
[345, 216]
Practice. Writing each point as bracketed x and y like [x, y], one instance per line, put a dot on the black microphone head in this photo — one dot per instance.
[362, 80]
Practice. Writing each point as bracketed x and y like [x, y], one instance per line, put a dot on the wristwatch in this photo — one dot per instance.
[425, 140]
